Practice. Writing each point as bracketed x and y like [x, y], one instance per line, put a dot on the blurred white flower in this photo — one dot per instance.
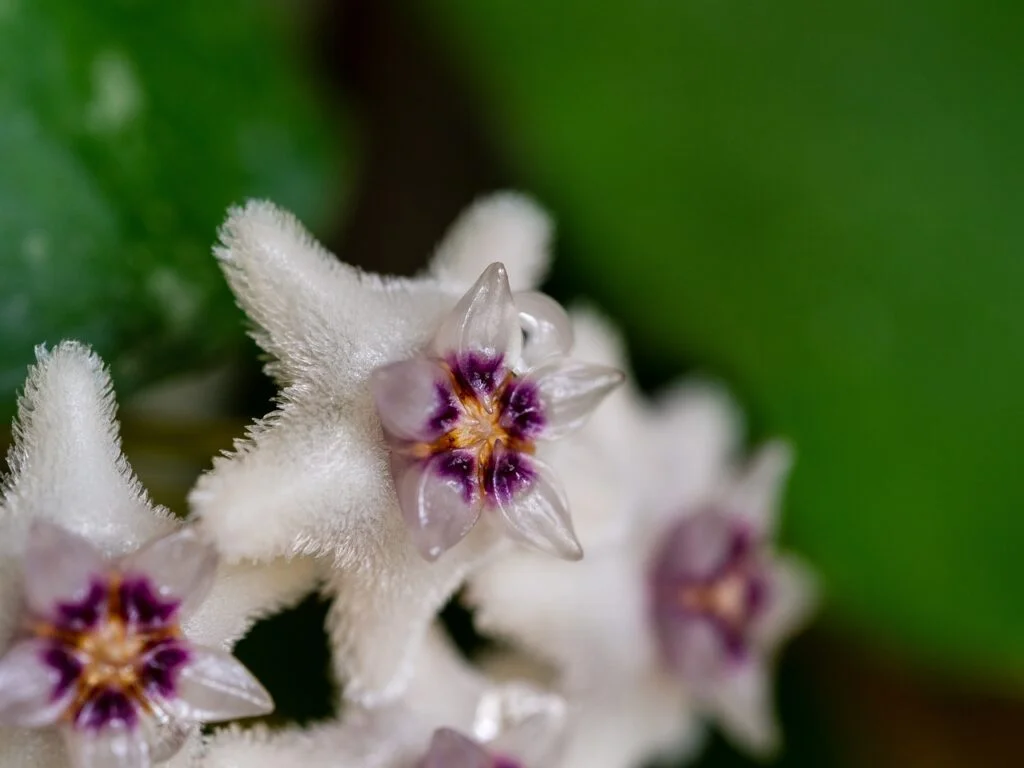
[315, 476]
[677, 611]
[98, 634]
[449, 715]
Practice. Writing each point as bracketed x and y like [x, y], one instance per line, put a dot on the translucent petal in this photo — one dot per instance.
[756, 492]
[114, 747]
[165, 735]
[215, 686]
[520, 721]
[439, 500]
[414, 399]
[60, 567]
[180, 566]
[450, 749]
[28, 684]
[571, 391]
[538, 514]
[792, 595]
[743, 701]
[484, 322]
[694, 547]
[693, 648]
[505, 227]
[546, 326]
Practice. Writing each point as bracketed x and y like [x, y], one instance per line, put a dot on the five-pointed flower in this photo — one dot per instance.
[104, 629]
[680, 614]
[463, 401]
[450, 716]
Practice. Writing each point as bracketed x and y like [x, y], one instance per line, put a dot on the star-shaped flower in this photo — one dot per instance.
[104, 629]
[679, 612]
[449, 716]
[445, 375]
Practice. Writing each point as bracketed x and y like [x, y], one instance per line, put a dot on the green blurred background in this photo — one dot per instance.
[818, 203]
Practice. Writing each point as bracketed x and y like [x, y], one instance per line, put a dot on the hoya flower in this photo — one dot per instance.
[449, 717]
[105, 600]
[681, 614]
[410, 409]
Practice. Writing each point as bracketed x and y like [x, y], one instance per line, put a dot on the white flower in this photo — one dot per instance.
[448, 716]
[101, 631]
[678, 612]
[315, 477]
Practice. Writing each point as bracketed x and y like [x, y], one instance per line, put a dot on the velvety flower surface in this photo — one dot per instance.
[104, 629]
[449, 715]
[464, 419]
[676, 618]
[316, 476]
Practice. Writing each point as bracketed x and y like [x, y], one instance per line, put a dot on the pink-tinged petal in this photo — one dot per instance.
[215, 686]
[695, 546]
[533, 505]
[60, 568]
[415, 400]
[743, 702]
[440, 501]
[792, 593]
[179, 566]
[485, 323]
[113, 747]
[33, 691]
[450, 749]
[546, 325]
[571, 391]
[755, 495]
[693, 649]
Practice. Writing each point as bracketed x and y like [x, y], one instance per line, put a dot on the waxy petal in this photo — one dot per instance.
[114, 747]
[440, 501]
[536, 511]
[743, 703]
[792, 596]
[213, 686]
[547, 328]
[571, 391]
[60, 569]
[180, 567]
[755, 494]
[450, 749]
[506, 227]
[484, 324]
[33, 692]
[521, 722]
[415, 400]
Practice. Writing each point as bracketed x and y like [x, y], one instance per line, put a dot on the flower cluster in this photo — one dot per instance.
[454, 430]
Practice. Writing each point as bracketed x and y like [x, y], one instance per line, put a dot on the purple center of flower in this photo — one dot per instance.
[709, 574]
[487, 420]
[115, 649]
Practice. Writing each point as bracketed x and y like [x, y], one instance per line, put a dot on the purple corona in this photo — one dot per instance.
[464, 420]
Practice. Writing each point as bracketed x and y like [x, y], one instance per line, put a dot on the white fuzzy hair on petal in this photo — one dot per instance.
[506, 227]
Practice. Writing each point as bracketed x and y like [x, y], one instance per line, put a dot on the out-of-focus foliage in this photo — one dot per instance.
[126, 129]
[822, 203]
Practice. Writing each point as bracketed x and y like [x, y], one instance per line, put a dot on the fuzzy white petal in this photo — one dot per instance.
[521, 721]
[630, 726]
[383, 604]
[506, 227]
[327, 324]
[245, 592]
[66, 462]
